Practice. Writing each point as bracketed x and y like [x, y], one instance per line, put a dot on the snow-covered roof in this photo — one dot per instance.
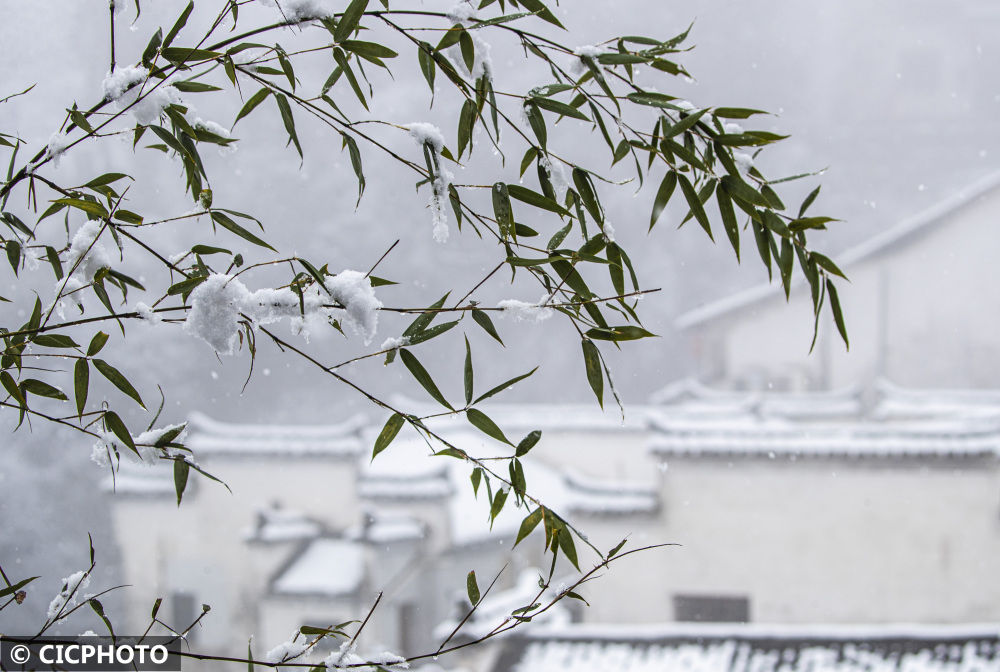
[275, 524]
[694, 420]
[695, 398]
[495, 609]
[407, 472]
[882, 242]
[325, 567]
[212, 437]
[382, 528]
[526, 417]
[741, 648]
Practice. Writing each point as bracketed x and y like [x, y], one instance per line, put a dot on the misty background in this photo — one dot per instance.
[898, 100]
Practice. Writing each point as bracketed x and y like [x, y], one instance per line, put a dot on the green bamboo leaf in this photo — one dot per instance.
[483, 423]
[663, 195]
[178, 25]
[592, 363]
[350, 19]
[504, 385]
[254, 100]
[527, 443]
[484, 321]
[427, 67]
[81, 384]
[117, 379]
[55, 341]
[187, 54]
[535, 199]
[288, 120]
[624, 333]
[41, 389]
[838, 315]
[468, 372]
[543, 12]
[559, 107]
[684, 124]
[694, 202]
[420, 374]
[529, 523]
[808, 201]
[388, 433]
[585, 187]
[181, 471]
[826, 264]
[118, 428]
[502, 209]
[472, 588]
[476, 477]
[729, 219]
[13, 589]
[736, 112]
[567, 546]
[96, 343]
[226, 222]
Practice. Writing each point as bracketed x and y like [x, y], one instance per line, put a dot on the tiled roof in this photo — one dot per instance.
[212, 437]
[711, 648]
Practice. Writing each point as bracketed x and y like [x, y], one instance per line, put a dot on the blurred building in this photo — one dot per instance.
[790, 507]
[922, 309]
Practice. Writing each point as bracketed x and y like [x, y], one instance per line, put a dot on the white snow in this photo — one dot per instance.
[116, 83]
[425, 133]
[522, 311]
[72, 587]
[732, 128]
[608, 231]
[146, 313]
[328, 567]
[295, 646]
[90, 261]
[219, 304]
[354, 291]
[461, 12]
[744, 162]
[58, 143]
[590, 51]
[302, 10]
[557, 176]
[154, 101]
[430, 135]
[394, 342]
[109, 445]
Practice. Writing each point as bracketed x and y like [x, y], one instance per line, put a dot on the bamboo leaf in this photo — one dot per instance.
[420, 374]
[388, 433]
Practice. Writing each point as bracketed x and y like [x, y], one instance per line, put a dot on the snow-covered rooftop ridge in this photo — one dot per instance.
[210, 436]
[275, 524]
[878, 243]
[326, 567]
[541, 415]
[830, 631]
[695, 420]
[736, 648]
[693, 397]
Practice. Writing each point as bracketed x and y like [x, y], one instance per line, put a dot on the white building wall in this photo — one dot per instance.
[923, 312]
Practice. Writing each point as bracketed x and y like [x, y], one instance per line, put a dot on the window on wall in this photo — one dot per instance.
[712, 608]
